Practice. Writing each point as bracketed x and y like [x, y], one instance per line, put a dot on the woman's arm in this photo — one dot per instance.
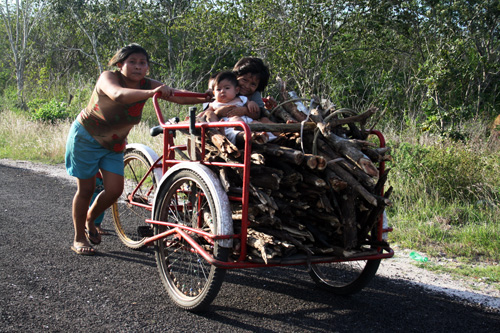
[184, 99]
[109, 84]
[188, 100]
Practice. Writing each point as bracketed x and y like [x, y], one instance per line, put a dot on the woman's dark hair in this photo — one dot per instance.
[225, 75]
[125, 52]
[254, 66]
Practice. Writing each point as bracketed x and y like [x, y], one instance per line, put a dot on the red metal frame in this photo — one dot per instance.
[168, 160]
[381, 170]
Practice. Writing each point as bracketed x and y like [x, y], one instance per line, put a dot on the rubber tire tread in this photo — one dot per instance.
[355, 286]
[125, 240]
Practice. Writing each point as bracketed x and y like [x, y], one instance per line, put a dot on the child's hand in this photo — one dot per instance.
[224, 111]
[270, 103]
[253, 110]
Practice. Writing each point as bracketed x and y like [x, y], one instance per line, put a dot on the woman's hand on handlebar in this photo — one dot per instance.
[166, 91]
[210, 94]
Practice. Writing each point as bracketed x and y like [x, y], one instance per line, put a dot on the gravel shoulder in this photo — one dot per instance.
[399, 268]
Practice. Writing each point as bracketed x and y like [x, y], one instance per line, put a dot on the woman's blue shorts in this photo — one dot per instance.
[85, 156]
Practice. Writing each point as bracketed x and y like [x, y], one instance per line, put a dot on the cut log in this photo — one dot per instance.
[280, 113]
[361, 118]
[285, 128]
[223, 144]
[337, 183]
[314, 162]
[333, 157]
[313, 180]
[290, 107]
[257, 159]
[377, 154]
[260, 241]
[284, 153]
[349, 225]
[351, 150]
[325, 204]
[266, 177]
[224, 180]
[349, 179]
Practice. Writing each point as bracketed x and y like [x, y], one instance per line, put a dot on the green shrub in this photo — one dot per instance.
[9, 100]
[48, 111]
[448, 172]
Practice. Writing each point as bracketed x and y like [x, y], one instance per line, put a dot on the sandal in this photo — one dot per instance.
[84, 250]
[94, 238]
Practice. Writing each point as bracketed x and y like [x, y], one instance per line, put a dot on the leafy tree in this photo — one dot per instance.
[437, 61]
[20, 18]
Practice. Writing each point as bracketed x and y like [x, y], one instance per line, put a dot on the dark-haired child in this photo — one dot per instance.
[226, 92]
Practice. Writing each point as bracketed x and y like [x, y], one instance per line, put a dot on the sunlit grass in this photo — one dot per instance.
[481, 273]
[23, 139]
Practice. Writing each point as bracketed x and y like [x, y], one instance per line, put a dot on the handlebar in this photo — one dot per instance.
[189, 94]
[175, 94]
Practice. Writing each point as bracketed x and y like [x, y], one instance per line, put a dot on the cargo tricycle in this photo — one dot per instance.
[176, 203]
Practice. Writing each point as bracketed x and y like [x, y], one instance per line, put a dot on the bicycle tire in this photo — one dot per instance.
[191, 282]
[129, 220]
[346, 277]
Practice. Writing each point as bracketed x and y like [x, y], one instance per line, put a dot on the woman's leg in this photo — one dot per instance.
[98, 189]
[81, 203]
[113, 188]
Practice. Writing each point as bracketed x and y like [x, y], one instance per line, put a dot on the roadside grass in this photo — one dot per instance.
[489, 274]
[24, 139]
[445, 199]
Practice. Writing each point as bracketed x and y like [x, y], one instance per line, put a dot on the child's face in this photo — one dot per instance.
[135, 67]
[248, 84]
[225, 91]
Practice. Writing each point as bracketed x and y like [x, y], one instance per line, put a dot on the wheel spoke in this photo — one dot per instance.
[191, 281]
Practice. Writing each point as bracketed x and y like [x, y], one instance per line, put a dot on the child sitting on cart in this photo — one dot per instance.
[226, 93]
[253, 77]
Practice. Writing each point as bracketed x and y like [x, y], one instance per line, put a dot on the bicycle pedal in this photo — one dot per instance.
[145, 231]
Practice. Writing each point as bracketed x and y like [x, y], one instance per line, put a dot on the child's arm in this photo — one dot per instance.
[225, 111]
[182, 99]
[251, 109]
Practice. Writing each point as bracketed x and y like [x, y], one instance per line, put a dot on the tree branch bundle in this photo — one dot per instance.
[315, 190]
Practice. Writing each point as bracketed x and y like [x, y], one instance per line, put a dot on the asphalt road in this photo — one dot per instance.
[45, 287]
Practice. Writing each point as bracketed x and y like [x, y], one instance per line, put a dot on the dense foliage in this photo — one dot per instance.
[434, 61]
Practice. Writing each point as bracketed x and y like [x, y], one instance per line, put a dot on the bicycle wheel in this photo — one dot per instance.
[344, 278]
[129, 220]
[191, 282]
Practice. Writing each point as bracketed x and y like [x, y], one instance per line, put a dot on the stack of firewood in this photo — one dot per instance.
[315, 189]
